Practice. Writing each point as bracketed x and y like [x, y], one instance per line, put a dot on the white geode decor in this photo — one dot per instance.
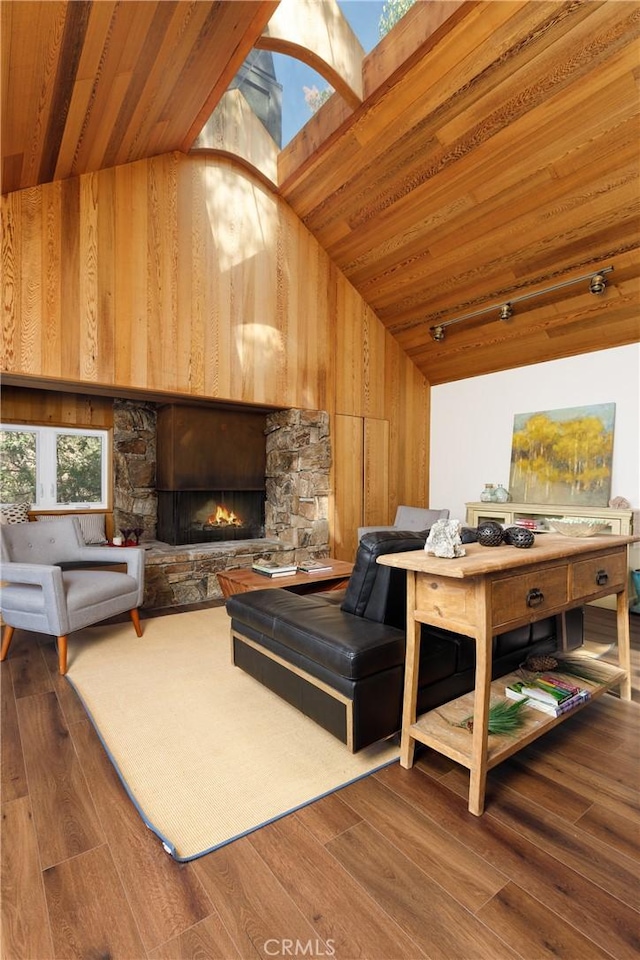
[444, 539]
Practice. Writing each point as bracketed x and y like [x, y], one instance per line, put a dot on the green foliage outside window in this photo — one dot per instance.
[17, 467]
[49, 466]
[79, 469]
[392, 11]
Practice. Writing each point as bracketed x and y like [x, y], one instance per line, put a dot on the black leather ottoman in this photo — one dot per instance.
[342, 671]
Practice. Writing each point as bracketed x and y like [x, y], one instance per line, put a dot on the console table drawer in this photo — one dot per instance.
[600, 573]
[531, 594]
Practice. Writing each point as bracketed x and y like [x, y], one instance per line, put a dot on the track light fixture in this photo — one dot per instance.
[597, 285]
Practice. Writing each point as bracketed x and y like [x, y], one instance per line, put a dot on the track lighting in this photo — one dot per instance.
[597, 285]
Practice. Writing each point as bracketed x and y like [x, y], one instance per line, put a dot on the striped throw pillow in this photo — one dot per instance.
[91, 525]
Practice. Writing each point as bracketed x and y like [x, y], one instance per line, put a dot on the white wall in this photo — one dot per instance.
[472, 421]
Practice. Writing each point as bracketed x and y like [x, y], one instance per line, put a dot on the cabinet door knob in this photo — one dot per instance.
[602, 577]
[535, 597]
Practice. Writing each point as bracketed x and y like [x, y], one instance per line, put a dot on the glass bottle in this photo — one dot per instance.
[488, 494]
[501, 494]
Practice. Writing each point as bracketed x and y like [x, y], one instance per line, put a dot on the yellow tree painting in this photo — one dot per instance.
[563, 456]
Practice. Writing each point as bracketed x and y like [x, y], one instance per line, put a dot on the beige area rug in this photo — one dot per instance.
[206, 753]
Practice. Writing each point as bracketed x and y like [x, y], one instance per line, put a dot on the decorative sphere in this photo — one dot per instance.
[489, 533]
[518, 537]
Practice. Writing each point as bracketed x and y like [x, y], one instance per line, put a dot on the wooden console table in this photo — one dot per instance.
[489, 591]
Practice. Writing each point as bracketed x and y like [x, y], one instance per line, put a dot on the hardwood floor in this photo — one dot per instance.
[391, 867]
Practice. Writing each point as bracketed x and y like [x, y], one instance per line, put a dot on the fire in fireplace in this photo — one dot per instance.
[195, 516]
[223, 518]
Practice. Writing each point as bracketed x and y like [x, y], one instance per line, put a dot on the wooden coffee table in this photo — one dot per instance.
[244, 579]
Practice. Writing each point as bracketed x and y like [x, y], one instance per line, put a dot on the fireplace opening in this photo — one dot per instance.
[198, 516]
[211, 474]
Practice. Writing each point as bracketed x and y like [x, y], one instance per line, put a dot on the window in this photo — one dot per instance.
[54, 467]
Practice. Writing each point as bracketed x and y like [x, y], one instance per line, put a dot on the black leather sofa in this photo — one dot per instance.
[339, 656]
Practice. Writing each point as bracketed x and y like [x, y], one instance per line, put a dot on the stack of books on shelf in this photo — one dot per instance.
[314, 566]
[549, 694]
[525, 522]
[269, 568]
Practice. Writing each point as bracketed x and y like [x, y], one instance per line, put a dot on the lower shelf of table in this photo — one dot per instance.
[437, 729]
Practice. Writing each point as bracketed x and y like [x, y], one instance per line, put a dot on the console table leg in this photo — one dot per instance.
[412, 665]
[481, 704]
[624, 642]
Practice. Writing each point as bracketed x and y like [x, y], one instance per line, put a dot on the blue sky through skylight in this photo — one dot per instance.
[363, 17]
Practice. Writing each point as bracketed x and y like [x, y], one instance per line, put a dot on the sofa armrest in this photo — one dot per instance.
[363, 530]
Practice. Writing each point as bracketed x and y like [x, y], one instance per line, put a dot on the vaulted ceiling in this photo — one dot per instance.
[494, 154]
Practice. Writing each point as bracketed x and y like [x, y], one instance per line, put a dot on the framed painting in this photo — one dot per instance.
[563, 456]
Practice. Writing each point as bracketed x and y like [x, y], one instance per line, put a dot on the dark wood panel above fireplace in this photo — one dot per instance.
[204, 449]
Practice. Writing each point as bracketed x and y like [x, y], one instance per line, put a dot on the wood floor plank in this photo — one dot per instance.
[90, 916]
[207, 940]
[565, 842]
[344, 915]
[166, 897]
[620, 797]
[463, 874]
[537, 932]
[609, 724]
[64, 814]
[25, 921]
[28, 669]
[253, 905]
[616, 831]
[328, 817]
[13, 778]
[612, 767]
[577, 900]
[439, 925]
[557, 797]
[69, 700]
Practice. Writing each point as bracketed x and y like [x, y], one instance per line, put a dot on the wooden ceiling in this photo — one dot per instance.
[501, 159]
[91, 85]
[492, 156]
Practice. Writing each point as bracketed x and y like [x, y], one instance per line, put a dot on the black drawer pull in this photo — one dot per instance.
[602, 577]
[535, 597]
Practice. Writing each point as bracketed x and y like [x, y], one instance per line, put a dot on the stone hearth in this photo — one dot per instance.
[298, 462]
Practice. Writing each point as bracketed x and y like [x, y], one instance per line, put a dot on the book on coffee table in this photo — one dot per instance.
[269, 568]
[314, 566]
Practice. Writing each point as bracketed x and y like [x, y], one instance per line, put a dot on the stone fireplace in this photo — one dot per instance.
[295, 482]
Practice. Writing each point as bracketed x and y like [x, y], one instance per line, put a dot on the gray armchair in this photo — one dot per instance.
[409, 518]
[50, 583]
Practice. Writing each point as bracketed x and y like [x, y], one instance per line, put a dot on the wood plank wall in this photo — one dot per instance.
[187, 275]
[45, 408]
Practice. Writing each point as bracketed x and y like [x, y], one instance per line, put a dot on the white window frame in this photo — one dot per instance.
[46, 464]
